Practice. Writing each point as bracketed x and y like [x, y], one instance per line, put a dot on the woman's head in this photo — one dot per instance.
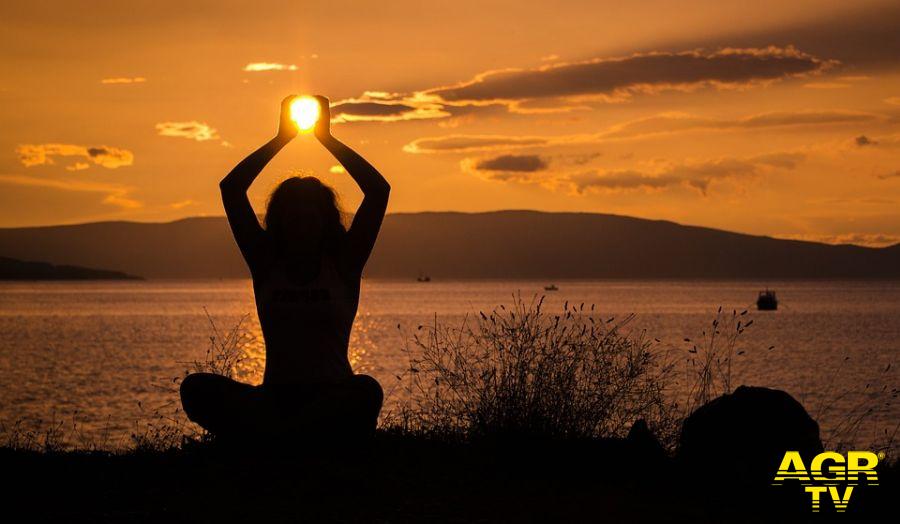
[303, 216]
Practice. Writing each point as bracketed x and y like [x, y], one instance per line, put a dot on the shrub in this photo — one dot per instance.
[521, 373]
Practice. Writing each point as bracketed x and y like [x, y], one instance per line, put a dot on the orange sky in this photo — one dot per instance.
[777, 118]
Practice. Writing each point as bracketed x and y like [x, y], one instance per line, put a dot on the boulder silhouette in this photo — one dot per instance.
[741, 437]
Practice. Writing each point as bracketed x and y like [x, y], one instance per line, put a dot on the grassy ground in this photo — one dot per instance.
[398, 479]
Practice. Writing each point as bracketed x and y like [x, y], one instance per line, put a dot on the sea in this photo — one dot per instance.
[97, 360]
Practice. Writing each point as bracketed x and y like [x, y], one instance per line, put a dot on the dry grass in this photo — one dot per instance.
[520, 372]
[226, 351]
[709, 367]
[523, 373]
[851, 429]
[166, 426]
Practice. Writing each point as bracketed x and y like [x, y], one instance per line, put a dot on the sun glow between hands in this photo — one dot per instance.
[305, 112]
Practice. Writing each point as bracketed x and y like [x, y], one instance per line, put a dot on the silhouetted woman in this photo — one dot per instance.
[306, 270]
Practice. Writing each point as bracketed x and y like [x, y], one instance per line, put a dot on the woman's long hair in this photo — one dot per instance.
[309, 194]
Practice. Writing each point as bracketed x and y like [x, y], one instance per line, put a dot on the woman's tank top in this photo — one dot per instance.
[306, 325]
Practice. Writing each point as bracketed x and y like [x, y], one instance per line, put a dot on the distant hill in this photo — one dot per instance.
[12, 269]
[503, 244]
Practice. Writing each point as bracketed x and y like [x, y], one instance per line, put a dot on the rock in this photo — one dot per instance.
[643, 440]
[644, 454]
[741, 437]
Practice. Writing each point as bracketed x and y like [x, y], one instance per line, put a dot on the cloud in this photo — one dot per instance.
[257, 67]
[668, 123]
[466, 143]
[379, 106]
[181, 204]
[695, 175]
[885, 143]
[371, 109]
[562, 87]
[859, 239]
[193, 130]
[617, 78]
[886, 176]
[862, 35]
[797, 118]
[78, 166]
[124, 80]
[113, 195]
[624, 180]
[869, 201]
[518, 163]
[43, 154]
[892, 100]
[782, 159]
[826, 85]
[657, 125]
[841, 82]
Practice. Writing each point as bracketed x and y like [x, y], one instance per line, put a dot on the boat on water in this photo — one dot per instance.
[767, 301]
[423, 278]
[551, 287]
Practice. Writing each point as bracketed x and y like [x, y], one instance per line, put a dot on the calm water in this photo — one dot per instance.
[106, 353]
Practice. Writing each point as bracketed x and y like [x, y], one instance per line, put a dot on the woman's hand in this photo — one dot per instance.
[287, 128]
[323, 124]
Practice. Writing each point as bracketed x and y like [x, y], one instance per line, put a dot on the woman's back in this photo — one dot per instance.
[306, 322]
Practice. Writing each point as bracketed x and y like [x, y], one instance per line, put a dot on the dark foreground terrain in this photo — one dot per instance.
[402, 479]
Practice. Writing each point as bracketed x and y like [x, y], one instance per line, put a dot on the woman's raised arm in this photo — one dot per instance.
[245, 226]
[367, 220]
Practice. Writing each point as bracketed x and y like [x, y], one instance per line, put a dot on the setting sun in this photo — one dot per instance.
[305, 112]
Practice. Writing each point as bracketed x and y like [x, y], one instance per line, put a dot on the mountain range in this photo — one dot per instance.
[451, 245]
[12, 269]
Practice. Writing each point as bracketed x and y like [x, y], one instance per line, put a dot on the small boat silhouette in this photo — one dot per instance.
[767, 301]
[423, 278]
[551, 287]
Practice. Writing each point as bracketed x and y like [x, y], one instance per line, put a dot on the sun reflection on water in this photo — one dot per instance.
[251, 368]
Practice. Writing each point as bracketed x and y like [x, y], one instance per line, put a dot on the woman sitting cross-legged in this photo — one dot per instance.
[306, 269]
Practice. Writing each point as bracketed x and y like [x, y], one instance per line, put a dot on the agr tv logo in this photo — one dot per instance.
[828, 472]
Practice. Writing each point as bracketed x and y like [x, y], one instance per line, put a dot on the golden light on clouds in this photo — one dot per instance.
[31, 155]
[860, 239]
[647, 177]
[654, 126]
[182, 204]
[124, 80]
[192, 130]
[111, 194]
[380, 106]
[78, 166]
[257, 67]
[305, 112]
[595, 81]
